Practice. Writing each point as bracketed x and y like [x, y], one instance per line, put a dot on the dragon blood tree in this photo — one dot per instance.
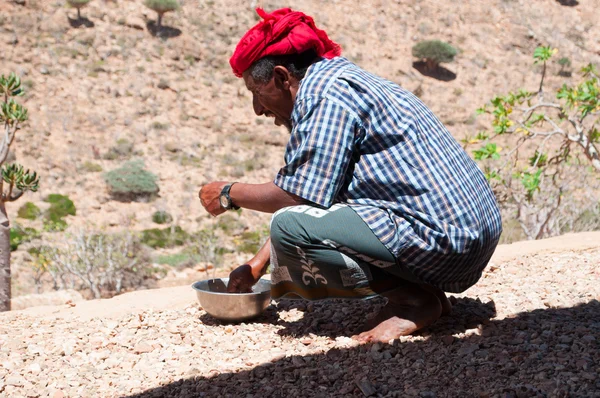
[15, 180]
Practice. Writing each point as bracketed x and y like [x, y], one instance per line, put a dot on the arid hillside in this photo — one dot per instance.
[109, 91]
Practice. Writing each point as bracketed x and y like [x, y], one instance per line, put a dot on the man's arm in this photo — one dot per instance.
[245, 276]
[266, 197]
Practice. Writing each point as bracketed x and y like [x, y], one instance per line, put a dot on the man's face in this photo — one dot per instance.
[274, 98]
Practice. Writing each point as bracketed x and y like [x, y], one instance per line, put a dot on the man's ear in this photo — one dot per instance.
[282, 78]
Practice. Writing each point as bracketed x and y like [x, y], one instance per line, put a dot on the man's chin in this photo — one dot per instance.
[286, 123]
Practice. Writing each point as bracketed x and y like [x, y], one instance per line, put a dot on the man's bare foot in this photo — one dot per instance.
[409, 309]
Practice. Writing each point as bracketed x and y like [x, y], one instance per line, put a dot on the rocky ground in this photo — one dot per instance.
[529, 328]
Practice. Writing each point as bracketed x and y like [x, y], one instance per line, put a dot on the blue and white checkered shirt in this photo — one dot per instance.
[363, 140]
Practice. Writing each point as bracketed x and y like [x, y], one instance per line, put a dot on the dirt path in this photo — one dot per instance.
[531, 327]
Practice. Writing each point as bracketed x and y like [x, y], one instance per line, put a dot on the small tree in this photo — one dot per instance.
[78, 4]
[434, 52]
[565, 65]
[15, 179]
[553, 150]
[161, 7]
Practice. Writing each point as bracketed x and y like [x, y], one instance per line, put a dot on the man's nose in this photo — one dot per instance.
[258, 108]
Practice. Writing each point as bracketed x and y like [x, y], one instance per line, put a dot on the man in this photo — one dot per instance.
[376, 196]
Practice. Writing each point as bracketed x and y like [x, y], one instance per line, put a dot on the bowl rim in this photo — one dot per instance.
[230, 294]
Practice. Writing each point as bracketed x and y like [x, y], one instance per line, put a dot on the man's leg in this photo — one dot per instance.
[332, 253]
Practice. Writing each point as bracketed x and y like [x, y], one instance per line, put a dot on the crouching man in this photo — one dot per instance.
[375, 198]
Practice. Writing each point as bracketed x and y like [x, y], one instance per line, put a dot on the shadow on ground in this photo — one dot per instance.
[568, 3]
[83, 21]
[320, 318]
[550, 352]
[439, 73]
[163, 32]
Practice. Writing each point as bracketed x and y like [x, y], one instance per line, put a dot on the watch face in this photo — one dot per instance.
[224, 201]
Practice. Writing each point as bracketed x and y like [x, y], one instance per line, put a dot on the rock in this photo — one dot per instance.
[58, 394]
[448, 340]
[15, 381]
[468, 349]
[34, 368]
[366, 388]
[142, 347]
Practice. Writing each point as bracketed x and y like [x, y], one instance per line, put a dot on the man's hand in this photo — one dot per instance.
[209, 197]
[241, 280]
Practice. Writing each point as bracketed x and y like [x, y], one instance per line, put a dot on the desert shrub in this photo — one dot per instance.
[161, 7]
[123, 149]
[60, 207]
[101, 263]
[434, 52]
[20, 235]
[176, 260]
[205, 247]
[131, 182]
[159, 126]
[162, 238]
[162, 217]
[230, 224]
[29, 211]
[78, 4]
[251, 241]
[90, 167]
[549, 174]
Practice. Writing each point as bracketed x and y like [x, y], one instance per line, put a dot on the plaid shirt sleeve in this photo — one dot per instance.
[319, 151]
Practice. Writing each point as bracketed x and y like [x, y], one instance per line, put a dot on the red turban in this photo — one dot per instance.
[282, 32]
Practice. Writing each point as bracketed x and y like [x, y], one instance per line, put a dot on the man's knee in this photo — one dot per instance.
[282, 225]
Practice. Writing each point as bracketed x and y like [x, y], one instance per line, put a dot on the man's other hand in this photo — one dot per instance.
[209, 197]
[241, 280]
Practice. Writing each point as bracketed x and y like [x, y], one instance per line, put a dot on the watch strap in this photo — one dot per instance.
[225, 192]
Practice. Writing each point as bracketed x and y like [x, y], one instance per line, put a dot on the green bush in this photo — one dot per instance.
[20, 235]
[60, 207]
[29, 211]
[162, 217]
[55, 226]
[167, 237]
[131, 182]
[123, 149]
[90, 167]
[178, 260]
[434, 52]
[230, 224]
[249, 242]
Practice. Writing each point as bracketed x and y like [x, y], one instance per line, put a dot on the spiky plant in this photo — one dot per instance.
[161, 7]
[434, 52]
[15, 179]
[78, 4]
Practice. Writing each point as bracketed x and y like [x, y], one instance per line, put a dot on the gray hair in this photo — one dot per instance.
[262, 70]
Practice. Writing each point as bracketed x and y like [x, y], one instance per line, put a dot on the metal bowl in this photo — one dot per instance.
[232, 307]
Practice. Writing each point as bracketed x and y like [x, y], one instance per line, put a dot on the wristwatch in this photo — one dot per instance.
[225, 199]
